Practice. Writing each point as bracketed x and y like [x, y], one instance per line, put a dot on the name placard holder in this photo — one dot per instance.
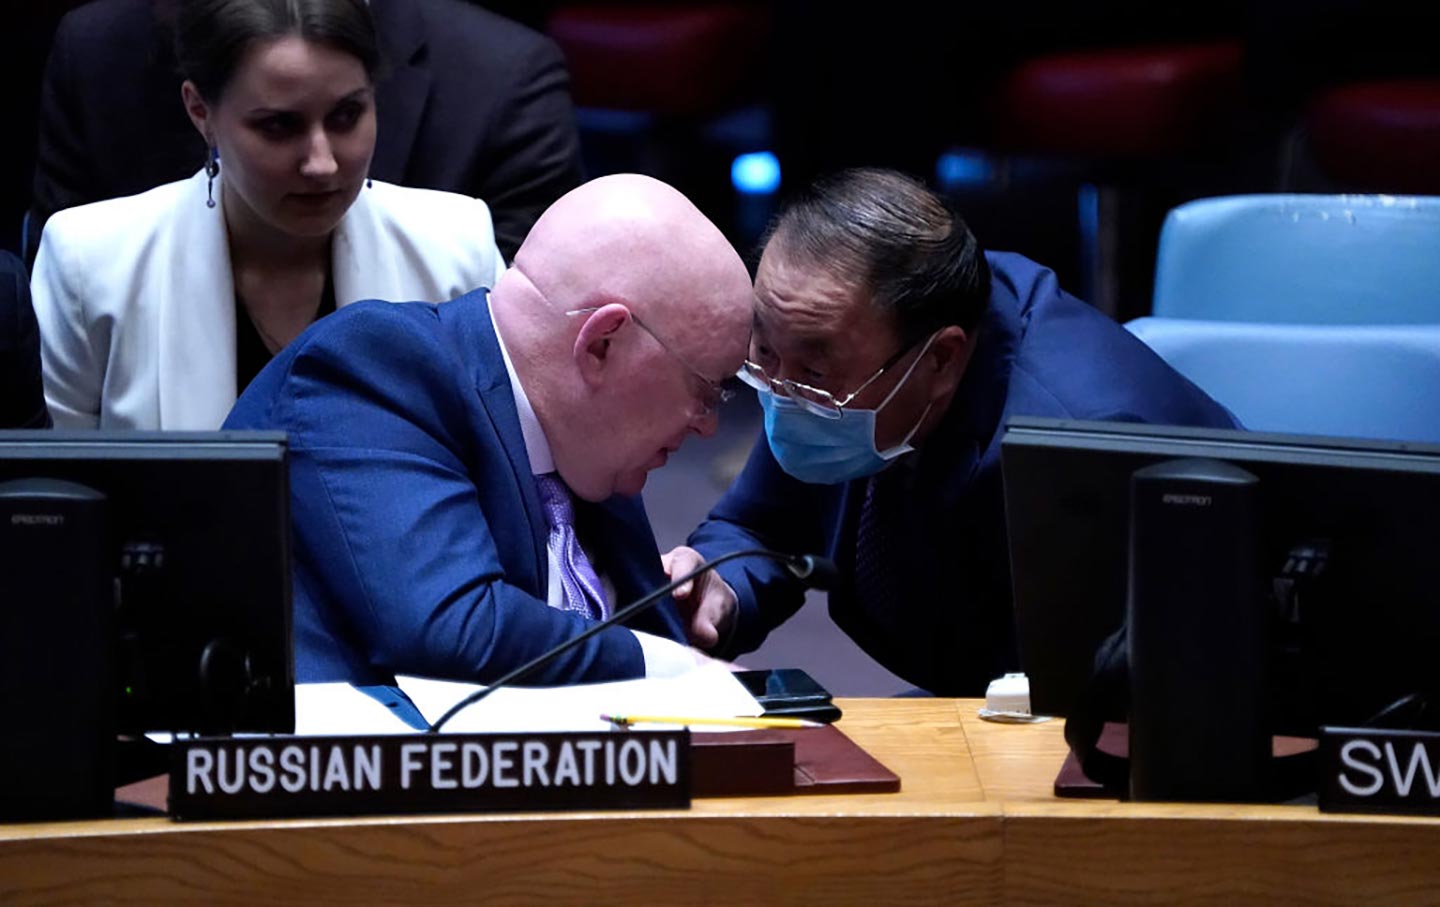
[1379, 771]
[279, 777]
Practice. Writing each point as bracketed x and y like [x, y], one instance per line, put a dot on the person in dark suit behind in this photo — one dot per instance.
[22, 398]
[447, 462]
[471, 103]
[888, 352]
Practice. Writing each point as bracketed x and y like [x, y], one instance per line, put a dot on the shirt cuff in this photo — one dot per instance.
[664, 657]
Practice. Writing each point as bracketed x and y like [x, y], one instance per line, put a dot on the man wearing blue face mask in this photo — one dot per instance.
[888, 352]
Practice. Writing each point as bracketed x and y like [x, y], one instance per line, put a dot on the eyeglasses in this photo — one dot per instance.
[716, 393]
[814, 399]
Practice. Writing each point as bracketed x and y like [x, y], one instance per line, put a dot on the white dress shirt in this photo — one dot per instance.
[663, 657]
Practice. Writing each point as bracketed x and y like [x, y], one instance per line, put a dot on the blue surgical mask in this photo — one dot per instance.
[825, 451]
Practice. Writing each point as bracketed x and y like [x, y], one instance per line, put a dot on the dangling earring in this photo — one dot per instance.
[369, 183]
[212, 170]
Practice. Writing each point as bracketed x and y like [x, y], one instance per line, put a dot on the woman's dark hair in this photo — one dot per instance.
[899, 241]
[212, 35]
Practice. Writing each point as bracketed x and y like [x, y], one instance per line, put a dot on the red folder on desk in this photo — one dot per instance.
[819, 760]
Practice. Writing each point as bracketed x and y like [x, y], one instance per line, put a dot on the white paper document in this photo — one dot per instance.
[338, 709]
[709, 691]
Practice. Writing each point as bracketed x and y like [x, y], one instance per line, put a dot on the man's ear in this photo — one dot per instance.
[592, 350]
[198, 110]
[948, 357]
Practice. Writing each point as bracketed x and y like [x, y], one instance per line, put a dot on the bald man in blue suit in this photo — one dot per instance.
[421, 436]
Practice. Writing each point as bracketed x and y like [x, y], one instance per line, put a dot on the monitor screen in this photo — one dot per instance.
[1347, 530]
[195, 559]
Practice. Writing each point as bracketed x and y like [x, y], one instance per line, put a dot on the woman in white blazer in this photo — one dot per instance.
[155, 310]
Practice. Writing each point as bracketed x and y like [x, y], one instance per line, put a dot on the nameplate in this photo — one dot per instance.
[274, 777]
[1379, 771]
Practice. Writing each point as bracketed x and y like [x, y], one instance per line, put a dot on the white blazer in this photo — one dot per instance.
[136, 300]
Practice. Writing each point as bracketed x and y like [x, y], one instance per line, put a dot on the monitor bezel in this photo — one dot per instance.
[268, 449]
[1149, 444]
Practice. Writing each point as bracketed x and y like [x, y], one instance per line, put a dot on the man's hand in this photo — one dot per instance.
[707, 602]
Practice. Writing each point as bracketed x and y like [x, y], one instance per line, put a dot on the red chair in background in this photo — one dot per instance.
[1381, 136]
[657, 87]
[1130, 119]
[673, 60]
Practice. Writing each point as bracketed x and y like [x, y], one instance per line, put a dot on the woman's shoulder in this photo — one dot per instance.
[425, 207]
[451, 236]
[116, 221]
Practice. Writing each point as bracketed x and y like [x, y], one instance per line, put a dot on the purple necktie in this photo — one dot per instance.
[583, 593]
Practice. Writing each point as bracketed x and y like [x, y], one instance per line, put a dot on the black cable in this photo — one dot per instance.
[814, 571]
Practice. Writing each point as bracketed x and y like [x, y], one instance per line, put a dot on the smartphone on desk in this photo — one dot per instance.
[790, 692]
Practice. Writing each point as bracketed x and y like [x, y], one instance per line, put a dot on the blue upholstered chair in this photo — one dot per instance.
[1308, 259]
[1370, 381]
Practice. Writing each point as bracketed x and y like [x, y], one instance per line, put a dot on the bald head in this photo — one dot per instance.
[633, 239]
[670, 297]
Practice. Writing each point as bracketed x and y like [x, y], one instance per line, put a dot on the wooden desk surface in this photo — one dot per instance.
[975, 822]
[1108, 852]
[937, 841]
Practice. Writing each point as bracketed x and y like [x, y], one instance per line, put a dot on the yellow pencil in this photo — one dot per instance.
[627, 720]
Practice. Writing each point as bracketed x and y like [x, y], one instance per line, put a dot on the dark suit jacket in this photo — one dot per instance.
[420, 542]
[1040, 352]
[22, 398]
[472, 103]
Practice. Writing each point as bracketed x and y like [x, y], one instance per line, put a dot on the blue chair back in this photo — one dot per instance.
[1378, 381]
[1306, 259]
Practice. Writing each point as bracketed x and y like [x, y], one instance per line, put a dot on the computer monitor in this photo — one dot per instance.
[191, 554]
[1363, 515]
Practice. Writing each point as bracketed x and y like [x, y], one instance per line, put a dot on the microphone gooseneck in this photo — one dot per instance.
[811, 569]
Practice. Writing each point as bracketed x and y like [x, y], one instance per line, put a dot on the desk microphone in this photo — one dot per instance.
[815, 571]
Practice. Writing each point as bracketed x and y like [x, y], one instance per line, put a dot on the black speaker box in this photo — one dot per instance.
[56, 674]
[1197, 634]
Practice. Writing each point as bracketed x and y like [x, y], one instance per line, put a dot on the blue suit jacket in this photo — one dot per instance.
[419, 535]
[1040, 352]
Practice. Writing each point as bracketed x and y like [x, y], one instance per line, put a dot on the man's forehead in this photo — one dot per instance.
[815, 338]
[812, 309]
[785, 284]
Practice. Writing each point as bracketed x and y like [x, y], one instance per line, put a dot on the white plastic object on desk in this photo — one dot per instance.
[1008, 699]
